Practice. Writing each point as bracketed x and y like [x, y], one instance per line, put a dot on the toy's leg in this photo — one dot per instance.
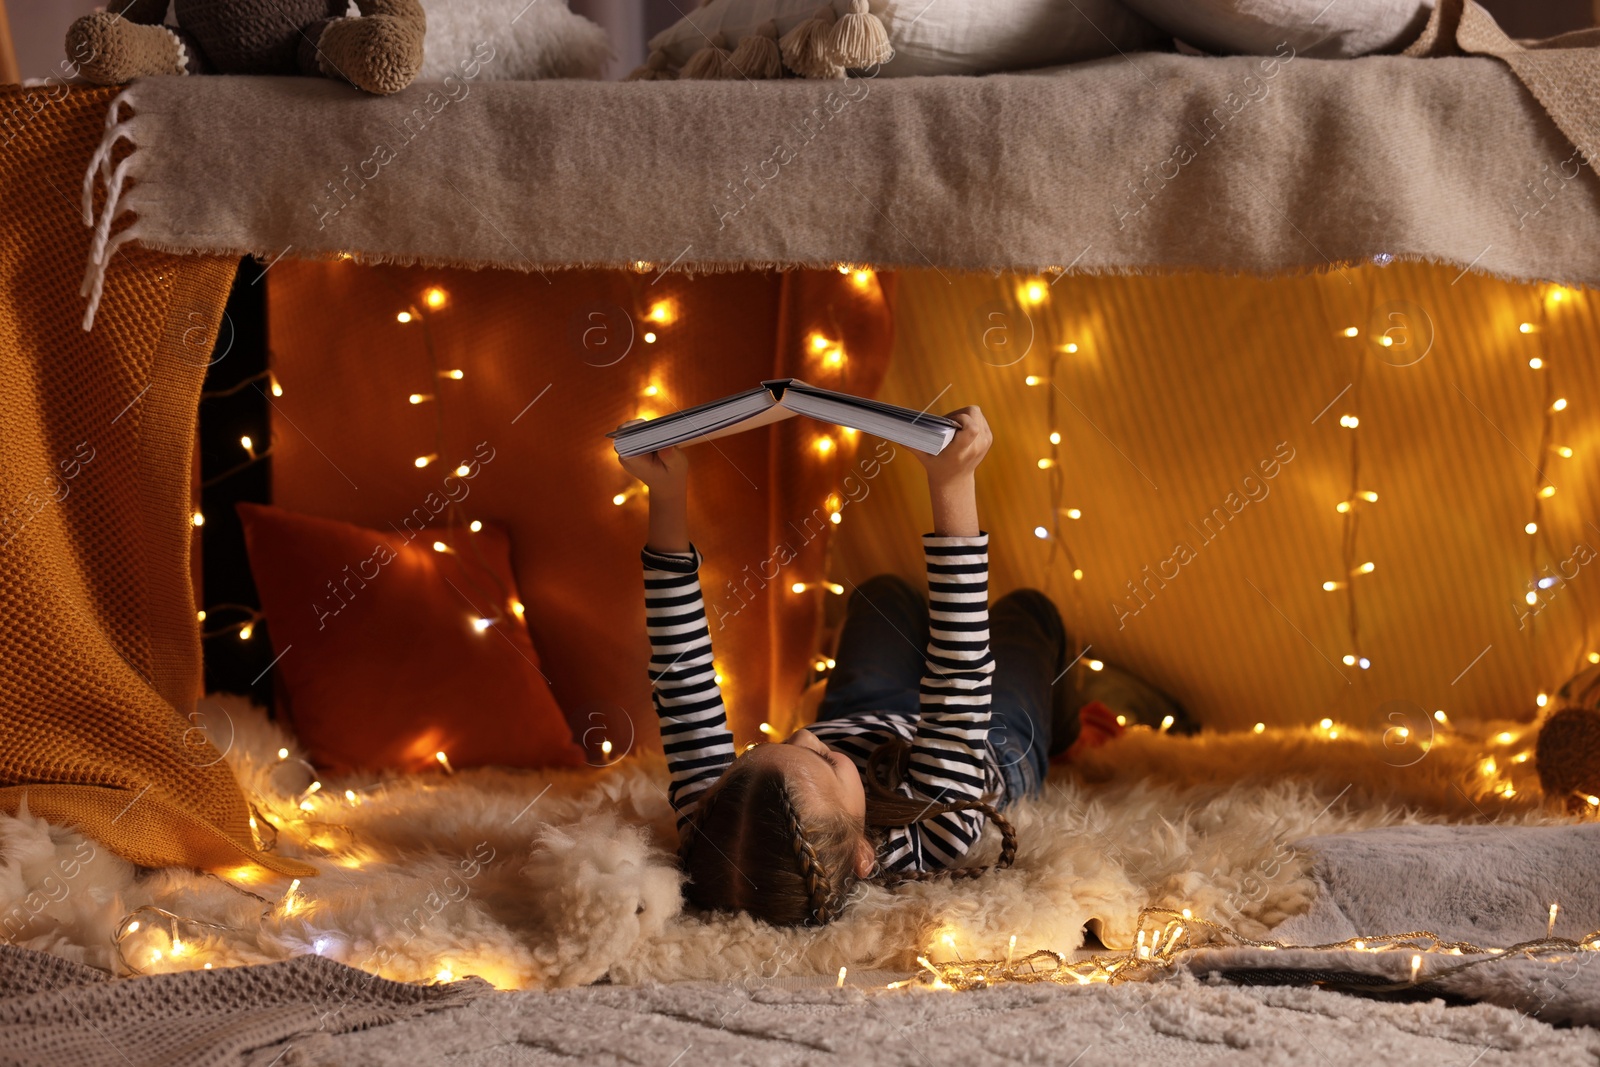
[110, 49]
[380, 51]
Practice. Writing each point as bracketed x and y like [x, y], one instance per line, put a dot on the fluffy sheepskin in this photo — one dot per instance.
[541, 39]
[542, 880]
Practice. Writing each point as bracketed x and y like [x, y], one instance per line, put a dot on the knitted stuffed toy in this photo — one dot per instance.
[379, 51]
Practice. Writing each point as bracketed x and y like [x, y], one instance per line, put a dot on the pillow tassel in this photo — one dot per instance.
[710, 63]
[859, 39]
[757, 56]
[805, 48]
[658, 68]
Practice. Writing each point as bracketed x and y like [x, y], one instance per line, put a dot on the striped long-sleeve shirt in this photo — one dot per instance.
[950, 756]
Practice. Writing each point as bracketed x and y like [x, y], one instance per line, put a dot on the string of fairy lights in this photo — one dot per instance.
[411, 314]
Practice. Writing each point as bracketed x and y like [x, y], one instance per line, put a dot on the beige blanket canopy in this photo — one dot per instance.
[1480, 159]
[1144, 163]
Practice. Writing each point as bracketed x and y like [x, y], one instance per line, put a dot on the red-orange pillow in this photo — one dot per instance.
[390, 651]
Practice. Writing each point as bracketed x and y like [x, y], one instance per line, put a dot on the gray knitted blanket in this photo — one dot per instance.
[55, 1013]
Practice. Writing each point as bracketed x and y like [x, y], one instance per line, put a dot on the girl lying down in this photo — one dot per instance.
[936, 717]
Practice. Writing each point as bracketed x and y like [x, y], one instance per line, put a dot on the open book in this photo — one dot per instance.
[780, 399]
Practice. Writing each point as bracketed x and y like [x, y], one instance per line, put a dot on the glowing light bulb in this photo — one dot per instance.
[1563, 451]
[1349, 661]
[246, 444]
[283, 753]
[423, 461]
[1166, 723]
[272, 383]
[1326, 724]
[1531, 528]
[830, 662]
[1259, 728]
[1386, 341]
[1559, 405]
[463, 470]
[444, 761]
[350, 795]
[798, 587]
[475, 526]
[861, 278]
[518, 609]
[419, 398]
[766, 728]
[1364, 663]
[1349, 422]
[1032, 379]
[445, 975]
[1594, 657]
[1077, 574]
[835, 588]
[652, 390]
[1342, 506]
[620, 499]
[246, 632]
[435, 297]
[1536, 363]
[605, 747]
[1046, 464]
[1034, 292]
[1440, 716]
[480, 624]
[1352, 331]
[1040, 532]
[440, 546]
[1055, 438]
[1073, 513]
[824, 445]
[207, 966]
[1547, 492]
[1542, 699]
[133, 927]
[835, 518]
[661, 312]
[833, 357]
[1368, 495]
[1531, 597]
[403, 318]
[1366, 568]
[1329, 587]
[649, 337]
[198, 519]
[1526, 327]
[1122, 720]
[1095, 664]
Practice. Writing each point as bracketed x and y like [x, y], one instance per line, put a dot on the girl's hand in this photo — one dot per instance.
[666, 472]
[965, 451]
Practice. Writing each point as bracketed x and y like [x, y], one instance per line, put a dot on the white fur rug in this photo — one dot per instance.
[558, 880]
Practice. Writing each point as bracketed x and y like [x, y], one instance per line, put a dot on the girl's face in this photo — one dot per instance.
[824, 782]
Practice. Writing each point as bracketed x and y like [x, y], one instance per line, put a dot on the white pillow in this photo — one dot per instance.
[1320, 29]
[545, 41]
[941, 36]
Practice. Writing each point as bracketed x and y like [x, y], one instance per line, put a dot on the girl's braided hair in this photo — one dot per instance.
[748, 848]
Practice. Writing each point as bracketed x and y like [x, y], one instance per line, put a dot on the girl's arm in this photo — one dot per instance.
[688, 702]
[949, 754]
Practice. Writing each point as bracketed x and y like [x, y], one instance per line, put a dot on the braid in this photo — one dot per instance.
[823, 901]
[885, 767]
[1008, 849]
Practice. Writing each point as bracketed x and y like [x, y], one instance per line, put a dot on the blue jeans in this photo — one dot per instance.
[880, 662]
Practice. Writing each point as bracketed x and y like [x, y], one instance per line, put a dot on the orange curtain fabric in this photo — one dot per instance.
[548, 365]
